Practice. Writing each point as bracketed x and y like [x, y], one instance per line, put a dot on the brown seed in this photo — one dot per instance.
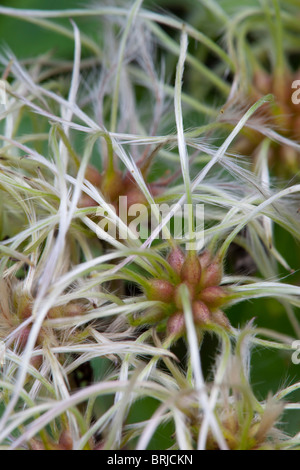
[135, 196]
[26, 312]
[112, 185]
[73, 310]
[86, 201]
[36, 361]
[55, 312]
[93, 175]
[263, 82]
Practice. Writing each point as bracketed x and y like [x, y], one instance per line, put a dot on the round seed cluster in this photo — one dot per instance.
[202, 276]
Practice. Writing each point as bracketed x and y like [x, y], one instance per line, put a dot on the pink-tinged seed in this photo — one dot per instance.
[191, 270]
[100, 446]
[201, 313]
[177, 296]
[213, 297]
[205, 259]
[221, 319]
[176, 324]
[212, 275]
[159, 289]
[176, 259]
[23, 337]
[93, 175]
[65, 440]
[36, 445]
[36, 361]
